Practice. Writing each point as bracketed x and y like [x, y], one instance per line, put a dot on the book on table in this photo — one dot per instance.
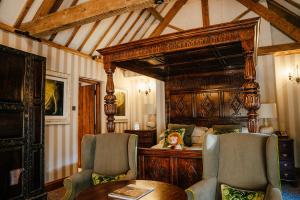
[131, 192]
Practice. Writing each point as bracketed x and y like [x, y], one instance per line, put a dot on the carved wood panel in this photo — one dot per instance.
[189, 170]
[181, 105]
[157, 169]
[178, 167]
[207, 104]
[205, 100]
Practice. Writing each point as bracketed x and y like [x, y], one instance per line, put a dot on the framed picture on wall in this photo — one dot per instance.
[57, 98]
[122, 105]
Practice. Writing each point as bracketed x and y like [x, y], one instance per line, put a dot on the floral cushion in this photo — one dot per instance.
[230, 193]
[187, 139]
[99, 179]
[174, 138]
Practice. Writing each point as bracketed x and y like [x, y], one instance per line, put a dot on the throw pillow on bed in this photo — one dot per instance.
[229, 193]
[187, 138]
[228, 128]
[198, 135]
[174, 138]
[99, 179]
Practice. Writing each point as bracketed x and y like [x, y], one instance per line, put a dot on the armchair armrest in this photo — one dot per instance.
[273, 193]
[76, 183]
[205, 189]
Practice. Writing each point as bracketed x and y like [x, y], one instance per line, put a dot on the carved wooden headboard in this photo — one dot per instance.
[209, 73]
[205, 100]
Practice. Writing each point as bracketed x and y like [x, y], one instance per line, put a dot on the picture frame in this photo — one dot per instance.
[122, 105]
[57, 98]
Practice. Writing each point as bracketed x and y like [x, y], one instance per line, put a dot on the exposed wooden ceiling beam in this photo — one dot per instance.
[7, 27]
[205, 13]
[282, 24]
[89, 35]
[52, 36]
[55, 6]
[132, 25]
[23, 13]
[168, 18]
[83, 13]
[74, 32]
[283, 12]
[103, 36]
[280, 49]
[10, 29]
[158, 16]
[74, 2]
[241, 15]
[44, 9]
[119, 29]
[152, 22]
[297, 5]
[140, 27]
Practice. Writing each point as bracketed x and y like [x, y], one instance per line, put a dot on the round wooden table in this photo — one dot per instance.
[162, 191]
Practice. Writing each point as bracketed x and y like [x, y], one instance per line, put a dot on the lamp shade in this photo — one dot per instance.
[150, 109]
[267, 110]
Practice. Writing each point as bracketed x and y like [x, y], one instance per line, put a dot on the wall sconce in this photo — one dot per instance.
[295, 76]
[145, 87]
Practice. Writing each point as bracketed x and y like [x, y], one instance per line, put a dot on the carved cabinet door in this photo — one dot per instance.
[21, 124]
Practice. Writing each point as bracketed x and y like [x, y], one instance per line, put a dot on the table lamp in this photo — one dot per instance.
[267, 111]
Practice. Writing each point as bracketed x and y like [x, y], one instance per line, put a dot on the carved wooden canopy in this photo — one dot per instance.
[222, 47]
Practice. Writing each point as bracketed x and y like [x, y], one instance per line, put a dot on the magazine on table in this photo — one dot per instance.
[131, 192]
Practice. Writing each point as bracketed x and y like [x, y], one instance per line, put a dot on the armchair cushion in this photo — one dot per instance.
[115, 154]
[229, 193]
[99, 179]
[239, 153]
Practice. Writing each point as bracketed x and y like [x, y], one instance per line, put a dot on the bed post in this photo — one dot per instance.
[110, 98]
[251, 96]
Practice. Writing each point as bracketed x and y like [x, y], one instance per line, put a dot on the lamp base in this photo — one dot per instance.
[266, 129]
[150, 125]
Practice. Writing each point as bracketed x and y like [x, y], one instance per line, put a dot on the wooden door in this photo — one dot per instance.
[87, 115]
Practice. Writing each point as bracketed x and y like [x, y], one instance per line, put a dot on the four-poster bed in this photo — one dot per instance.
[209, 76]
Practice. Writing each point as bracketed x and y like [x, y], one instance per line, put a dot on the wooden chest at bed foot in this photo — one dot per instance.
[286, 159]
[178, 167]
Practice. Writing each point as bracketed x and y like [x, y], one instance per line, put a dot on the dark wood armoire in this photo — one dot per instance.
[21, 125]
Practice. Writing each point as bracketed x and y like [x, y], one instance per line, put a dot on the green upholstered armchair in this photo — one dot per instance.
[246, 161]
[108, 154]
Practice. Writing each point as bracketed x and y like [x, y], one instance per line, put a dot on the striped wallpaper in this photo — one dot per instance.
[61, 140]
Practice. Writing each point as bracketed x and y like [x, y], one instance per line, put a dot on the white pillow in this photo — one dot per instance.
[197, 139]
[198, 135]
[199, 131]
[245, 130]
[210, 131]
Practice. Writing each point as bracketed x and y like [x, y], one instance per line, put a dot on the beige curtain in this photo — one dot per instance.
[288, 99]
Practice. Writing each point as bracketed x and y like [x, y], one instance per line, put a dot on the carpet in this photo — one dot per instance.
[289, 192]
